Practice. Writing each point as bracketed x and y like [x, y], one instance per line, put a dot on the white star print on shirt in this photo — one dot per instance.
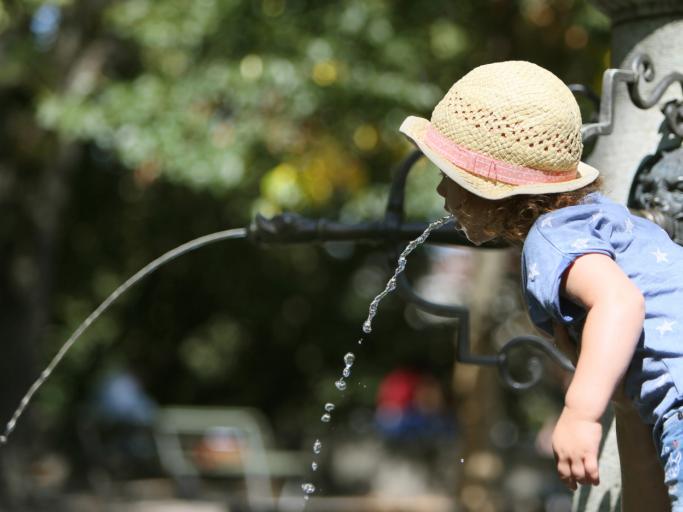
[580, 243]
[661, 256]
[533, 271]
[666, 326]
[547, 222]
[629, 225]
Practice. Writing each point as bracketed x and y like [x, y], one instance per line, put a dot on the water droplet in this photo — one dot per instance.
[3, 439]
[350, 358]
[462, 461]
[391, 284]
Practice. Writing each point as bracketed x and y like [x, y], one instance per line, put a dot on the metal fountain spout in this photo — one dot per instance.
[294, 228]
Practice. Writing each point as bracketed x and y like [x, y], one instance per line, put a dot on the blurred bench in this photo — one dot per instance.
[201, 442]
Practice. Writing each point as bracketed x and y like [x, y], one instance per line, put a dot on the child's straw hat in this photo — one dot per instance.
[504, 129]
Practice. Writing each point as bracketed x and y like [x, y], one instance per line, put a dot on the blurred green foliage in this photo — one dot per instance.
[161, 120]
[297, 96]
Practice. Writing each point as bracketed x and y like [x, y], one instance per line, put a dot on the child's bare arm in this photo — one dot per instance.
[613, 326]
[614, 323]
[642, 477]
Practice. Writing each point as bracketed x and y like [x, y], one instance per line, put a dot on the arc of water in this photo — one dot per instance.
[143, 272]
[401, 265]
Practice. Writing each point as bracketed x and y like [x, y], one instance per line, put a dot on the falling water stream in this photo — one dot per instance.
[350, 358]
[143, 272]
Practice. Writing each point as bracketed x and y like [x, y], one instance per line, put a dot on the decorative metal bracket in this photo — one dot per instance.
[502, 359]
[641, 67]
[605, 123]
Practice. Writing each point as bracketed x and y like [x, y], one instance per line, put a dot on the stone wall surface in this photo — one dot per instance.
[654, 27]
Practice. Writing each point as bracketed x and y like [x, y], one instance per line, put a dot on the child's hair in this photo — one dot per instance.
[518, 213]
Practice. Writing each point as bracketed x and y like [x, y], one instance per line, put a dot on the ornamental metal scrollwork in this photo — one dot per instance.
[641, 68]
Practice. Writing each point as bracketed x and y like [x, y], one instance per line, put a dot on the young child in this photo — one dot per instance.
[507, 137]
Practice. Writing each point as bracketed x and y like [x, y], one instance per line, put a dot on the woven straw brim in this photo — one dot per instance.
[415, 129]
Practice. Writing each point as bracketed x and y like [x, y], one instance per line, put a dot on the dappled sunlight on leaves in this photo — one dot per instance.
[168, 25]
[312, 178]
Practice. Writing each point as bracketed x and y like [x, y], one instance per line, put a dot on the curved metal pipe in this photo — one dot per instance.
[643, 67]
[288, 228]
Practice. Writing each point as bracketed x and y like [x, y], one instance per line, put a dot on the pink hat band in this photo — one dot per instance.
[487, 167]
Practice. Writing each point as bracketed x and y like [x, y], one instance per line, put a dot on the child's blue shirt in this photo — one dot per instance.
[654, 380]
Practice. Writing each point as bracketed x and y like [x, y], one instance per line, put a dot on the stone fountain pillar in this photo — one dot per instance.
[654, 27]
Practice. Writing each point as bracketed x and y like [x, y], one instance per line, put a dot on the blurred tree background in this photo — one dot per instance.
[129, 127]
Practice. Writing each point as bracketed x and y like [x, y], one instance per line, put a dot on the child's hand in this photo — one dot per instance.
[576, 441]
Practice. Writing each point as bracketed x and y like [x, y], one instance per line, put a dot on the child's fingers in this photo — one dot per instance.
[578, 472]
[573, 472]
[590, 464]
[563, 469]
[565, 473]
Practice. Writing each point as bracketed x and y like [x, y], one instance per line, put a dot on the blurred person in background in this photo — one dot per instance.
[411, 405]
